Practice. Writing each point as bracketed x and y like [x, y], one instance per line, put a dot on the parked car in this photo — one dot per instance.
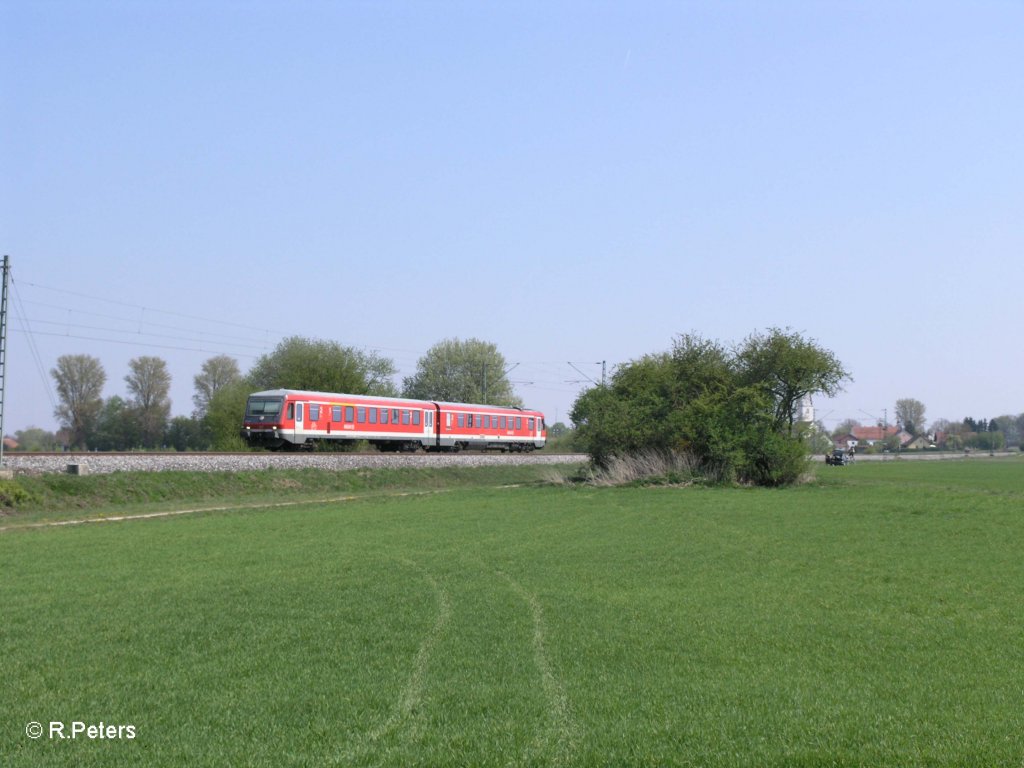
[839, 457]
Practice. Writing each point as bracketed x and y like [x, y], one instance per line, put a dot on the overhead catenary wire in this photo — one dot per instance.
[37, 359]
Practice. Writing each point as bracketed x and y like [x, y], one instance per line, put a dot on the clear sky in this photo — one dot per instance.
[573, 181]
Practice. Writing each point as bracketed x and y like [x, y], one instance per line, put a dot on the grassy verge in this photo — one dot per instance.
[870, 618]
[54, 497]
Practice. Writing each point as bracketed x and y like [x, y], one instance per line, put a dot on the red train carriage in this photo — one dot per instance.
[291, 419]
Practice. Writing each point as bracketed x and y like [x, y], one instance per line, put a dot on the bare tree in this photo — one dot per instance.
[80, 380]
[845, 427]
[910, 414]
[217, 373]
[149, 383]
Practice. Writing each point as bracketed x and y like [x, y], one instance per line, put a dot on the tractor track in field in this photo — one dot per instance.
[244, 507]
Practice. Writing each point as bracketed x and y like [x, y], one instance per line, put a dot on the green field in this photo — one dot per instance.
[873, 617]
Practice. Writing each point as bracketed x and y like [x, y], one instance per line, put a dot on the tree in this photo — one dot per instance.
[117, 428]
[149, 383]
[80, 380]
[223, 420]
[217, 372]
[36, 439]
[1010, 427]
[185, 433]
[789, 368]
[322, 366]
[910, 414]
[470, 371]
[845, 427]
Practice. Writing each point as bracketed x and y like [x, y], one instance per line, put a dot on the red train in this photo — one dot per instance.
[291, 419]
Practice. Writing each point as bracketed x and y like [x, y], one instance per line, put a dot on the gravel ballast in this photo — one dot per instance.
[99, 463]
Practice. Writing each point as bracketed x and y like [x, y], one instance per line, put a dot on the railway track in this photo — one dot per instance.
[103, 463]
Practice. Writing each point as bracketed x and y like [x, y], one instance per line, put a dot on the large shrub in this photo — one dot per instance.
[728, 410]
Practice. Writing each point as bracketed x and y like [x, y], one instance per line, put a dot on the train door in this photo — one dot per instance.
[300, 409]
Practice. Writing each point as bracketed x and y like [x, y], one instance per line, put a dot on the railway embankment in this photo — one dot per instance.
[105, 463]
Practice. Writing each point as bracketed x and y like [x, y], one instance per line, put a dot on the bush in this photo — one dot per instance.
[13, 495]
[728, 412]
[777, 460]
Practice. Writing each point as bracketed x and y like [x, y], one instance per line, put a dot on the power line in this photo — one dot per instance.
[129, 320]
[19, 310]
[135, 342]
[148, 309]
[132, 333]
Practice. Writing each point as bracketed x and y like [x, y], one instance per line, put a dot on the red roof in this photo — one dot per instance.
[873, 433]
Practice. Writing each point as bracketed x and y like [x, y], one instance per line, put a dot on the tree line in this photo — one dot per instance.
[471, 371]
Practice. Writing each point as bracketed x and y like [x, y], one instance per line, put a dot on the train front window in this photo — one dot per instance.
[266, 407]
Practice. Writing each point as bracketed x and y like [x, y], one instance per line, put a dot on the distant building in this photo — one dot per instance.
[804, 411]
[872, 435]
[845, 442]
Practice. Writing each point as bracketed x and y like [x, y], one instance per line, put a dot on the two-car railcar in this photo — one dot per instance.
[293, 419]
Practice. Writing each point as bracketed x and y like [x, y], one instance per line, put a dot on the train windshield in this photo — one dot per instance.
[262, 408]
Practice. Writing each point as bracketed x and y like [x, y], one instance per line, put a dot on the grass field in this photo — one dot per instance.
[873, 617]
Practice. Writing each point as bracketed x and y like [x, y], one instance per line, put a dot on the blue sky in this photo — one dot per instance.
[571, 181]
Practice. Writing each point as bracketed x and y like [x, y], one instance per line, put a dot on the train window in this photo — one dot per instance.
[462, 419]
[350, 413]
[361, 414]
[383, 415]
[430, 419]
[373, 415]
[531, 425]
[336, 413]
[291, 410]
[394, 415]
[448, 420]
[314, 412]
[519, 422]
[504, 422]
[416, 418]
[258, 406]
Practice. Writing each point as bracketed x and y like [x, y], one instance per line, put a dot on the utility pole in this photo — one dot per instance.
[3, 351]
[604, 372]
